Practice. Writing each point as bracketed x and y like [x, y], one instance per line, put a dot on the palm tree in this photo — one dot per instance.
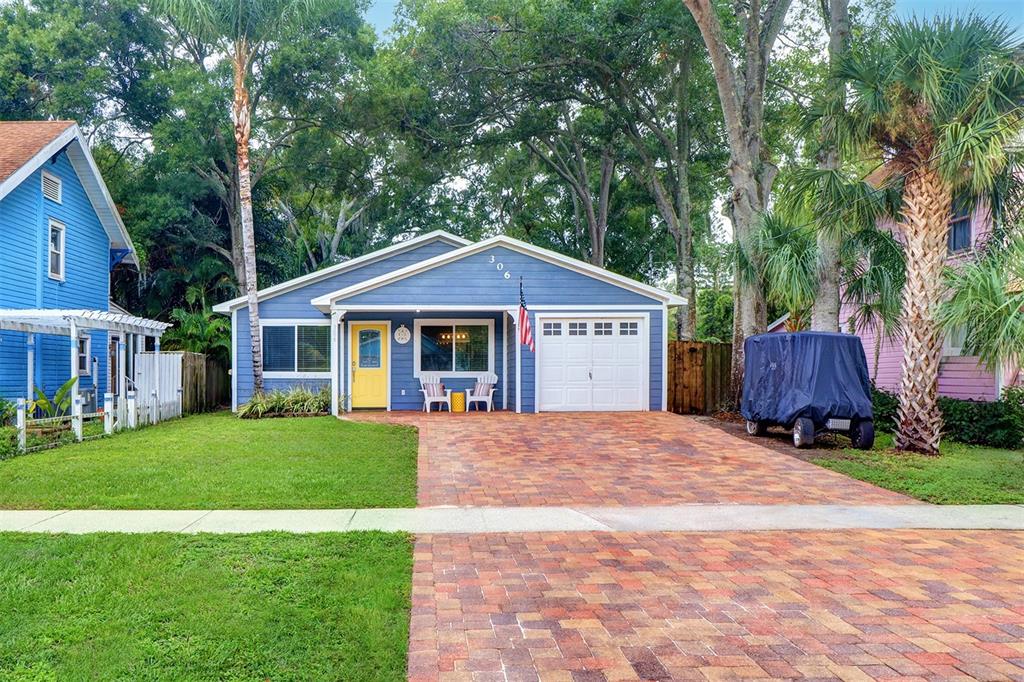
[936, 102]
[242, 29]
[873, 287]
[988, 304]
[787, 255]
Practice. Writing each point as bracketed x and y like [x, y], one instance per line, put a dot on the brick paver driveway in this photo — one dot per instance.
[851, 605]
[621, 459]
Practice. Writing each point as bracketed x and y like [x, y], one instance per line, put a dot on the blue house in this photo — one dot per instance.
[62, 237]
[371, 326]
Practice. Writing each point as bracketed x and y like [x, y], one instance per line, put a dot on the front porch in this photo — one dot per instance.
[378, 355]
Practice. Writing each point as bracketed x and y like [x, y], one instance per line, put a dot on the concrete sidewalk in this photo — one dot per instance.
[696, 517]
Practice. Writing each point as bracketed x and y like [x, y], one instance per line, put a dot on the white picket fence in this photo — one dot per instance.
[157, 396]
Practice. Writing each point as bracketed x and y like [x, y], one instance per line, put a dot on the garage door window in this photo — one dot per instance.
[602, 329]
[629, 328]
[552, 329]
[577, 329]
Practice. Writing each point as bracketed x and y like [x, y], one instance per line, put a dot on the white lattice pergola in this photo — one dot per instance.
[70, 322]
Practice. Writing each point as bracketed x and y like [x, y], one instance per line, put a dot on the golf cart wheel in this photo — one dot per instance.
[756, 428]
[862, 434]
[803, 433]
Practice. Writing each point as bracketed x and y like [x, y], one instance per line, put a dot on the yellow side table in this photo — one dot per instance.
[458, 401]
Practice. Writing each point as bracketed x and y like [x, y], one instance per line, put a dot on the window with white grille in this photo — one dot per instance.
[629, 328]
[56, 250]
[552, 329]
[602, 329]
[577, 329]
[52, 187]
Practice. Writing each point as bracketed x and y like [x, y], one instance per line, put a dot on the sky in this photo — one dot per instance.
[382, 11]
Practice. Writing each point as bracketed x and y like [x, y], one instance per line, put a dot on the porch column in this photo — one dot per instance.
[519, 364]
[336, 317]
[122, 378]
[31, 374]
[73, 334]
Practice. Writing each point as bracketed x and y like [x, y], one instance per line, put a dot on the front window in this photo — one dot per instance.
[56, 250]
[84, 364]
[455, 347]
[959, 238]
[954, 342]
[296, 348]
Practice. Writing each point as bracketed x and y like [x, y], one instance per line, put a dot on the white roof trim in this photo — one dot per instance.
[58, 321]
[89, 175]
[325, 302]
[299, 282]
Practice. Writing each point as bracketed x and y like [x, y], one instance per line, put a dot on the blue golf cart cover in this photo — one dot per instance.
[805, 374]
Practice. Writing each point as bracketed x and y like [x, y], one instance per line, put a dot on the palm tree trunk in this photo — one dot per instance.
[926, 206]
[241, 117]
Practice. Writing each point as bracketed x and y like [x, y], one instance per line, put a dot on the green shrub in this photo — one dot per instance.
[8, 411]
[997, 424]
[8, 442]
[297, 401]
[884, 405]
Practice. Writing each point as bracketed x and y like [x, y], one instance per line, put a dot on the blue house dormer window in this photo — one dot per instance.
[56, 250]
[959, 238]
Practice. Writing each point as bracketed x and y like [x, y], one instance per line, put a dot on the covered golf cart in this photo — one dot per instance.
[810, 382]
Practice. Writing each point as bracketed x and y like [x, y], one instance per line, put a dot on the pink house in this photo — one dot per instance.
[961, 376]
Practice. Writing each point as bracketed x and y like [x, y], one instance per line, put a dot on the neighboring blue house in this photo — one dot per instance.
[62, 237]
[370, 326]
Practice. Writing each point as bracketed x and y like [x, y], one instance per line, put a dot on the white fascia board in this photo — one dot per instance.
[89, 175]
[324, 302]
[298, 282]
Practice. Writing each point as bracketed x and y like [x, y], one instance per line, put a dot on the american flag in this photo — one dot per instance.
[525, 331]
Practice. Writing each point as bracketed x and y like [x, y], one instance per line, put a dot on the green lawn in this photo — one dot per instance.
[219, 461]
[271, 606]
[963, 474]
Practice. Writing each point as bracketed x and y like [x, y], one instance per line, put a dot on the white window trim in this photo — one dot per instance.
[87, 372]
[441, 322]
[294, 324]
[60, 187]
[51, 224]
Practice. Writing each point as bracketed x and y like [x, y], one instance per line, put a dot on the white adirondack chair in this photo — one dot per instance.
[486, 395]
[434, 392]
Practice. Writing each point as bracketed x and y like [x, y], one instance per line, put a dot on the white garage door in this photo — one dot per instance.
[591, 364]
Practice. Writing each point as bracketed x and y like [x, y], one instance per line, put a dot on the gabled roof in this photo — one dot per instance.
[379, 254]
[27, 145]
[326, 301]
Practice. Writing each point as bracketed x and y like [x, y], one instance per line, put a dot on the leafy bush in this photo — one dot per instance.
[8, 442]
[297, 401]
[884, 405]
[998, 424]
[8, 412]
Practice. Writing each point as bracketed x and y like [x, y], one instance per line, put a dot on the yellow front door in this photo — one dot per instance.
[369, 365]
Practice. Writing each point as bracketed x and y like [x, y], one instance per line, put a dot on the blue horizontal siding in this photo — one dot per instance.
[295, 304]
[25, 283]
[475, 280]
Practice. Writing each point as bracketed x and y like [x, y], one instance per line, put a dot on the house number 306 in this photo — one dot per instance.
[501, 266]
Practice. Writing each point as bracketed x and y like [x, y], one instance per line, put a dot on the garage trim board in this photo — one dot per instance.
[603, 393]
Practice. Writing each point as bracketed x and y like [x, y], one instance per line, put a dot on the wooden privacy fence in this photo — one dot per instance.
[204, 381]
[698, 377]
